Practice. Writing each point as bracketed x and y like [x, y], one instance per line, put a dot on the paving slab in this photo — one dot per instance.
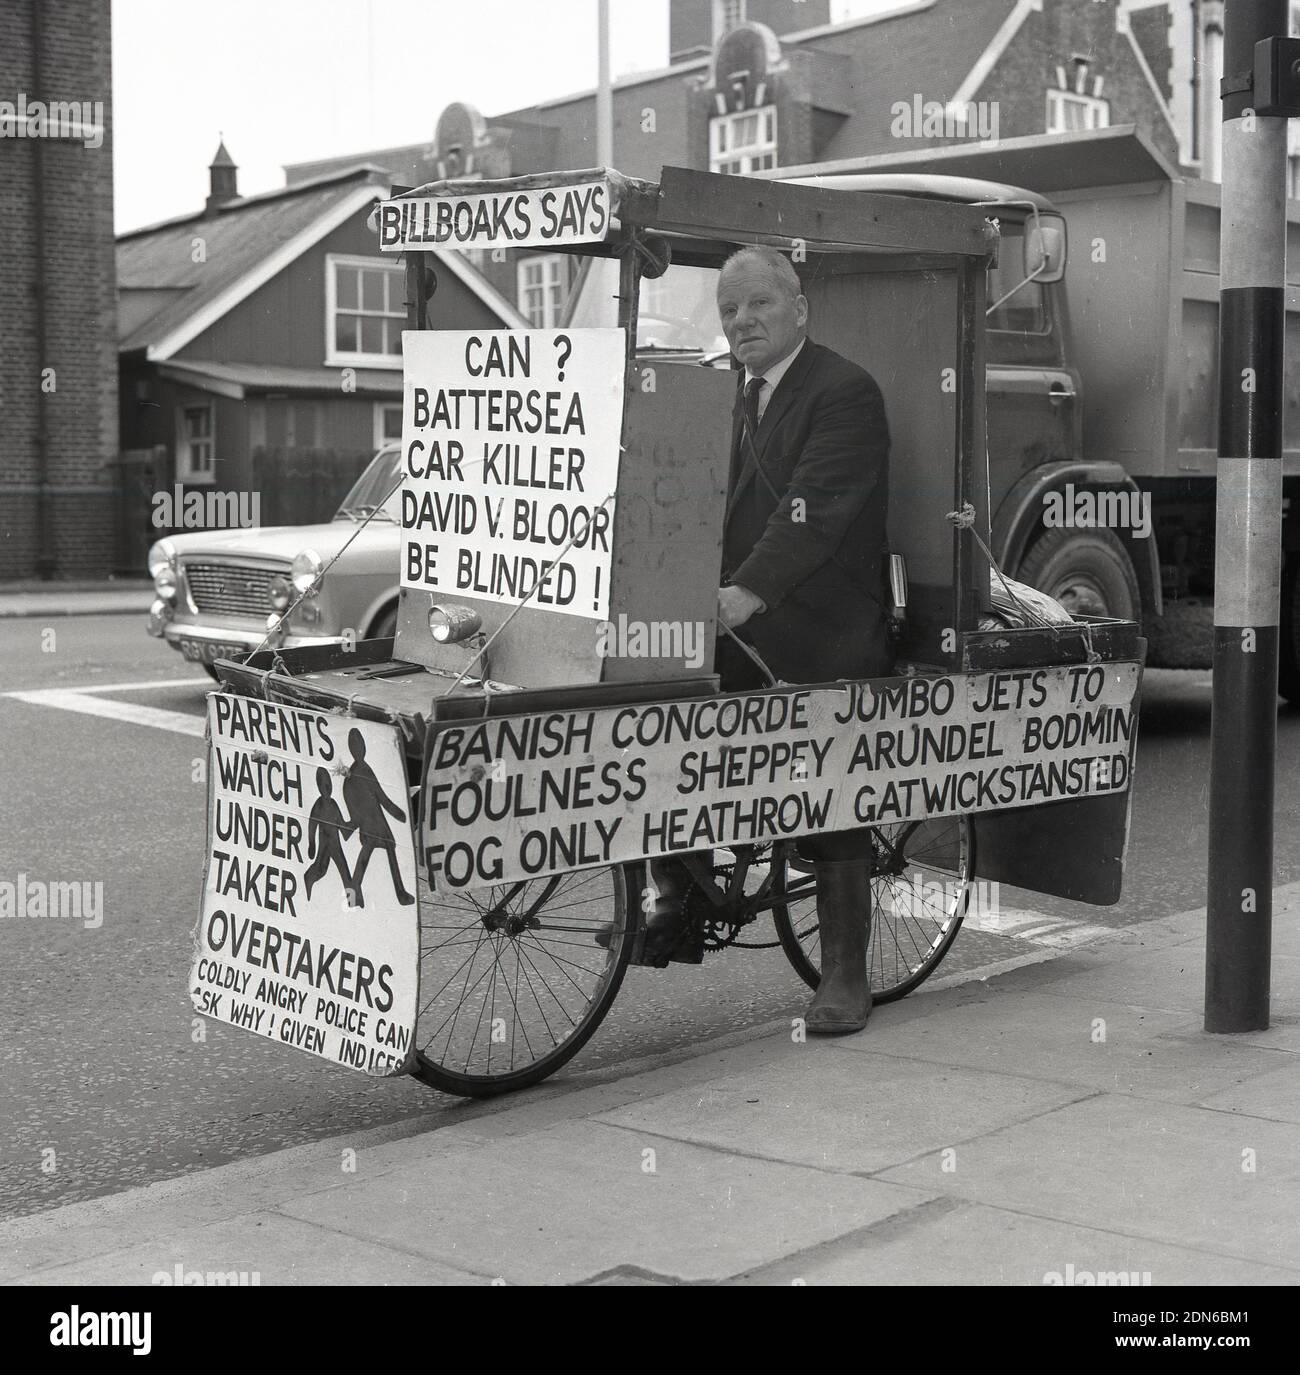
[258, 1248]
[575, 1202]
[949, 1242]
[1171, 979]
[845, 1110]
[1077, 1039]
[1275, 1097]
[1138, 1168]
[137, 1218]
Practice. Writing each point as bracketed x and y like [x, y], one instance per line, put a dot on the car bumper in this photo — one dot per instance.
[204, 644]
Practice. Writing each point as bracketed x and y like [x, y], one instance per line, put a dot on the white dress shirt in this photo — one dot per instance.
[773, 376]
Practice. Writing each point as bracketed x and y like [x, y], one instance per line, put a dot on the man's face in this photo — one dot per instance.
[762, 320]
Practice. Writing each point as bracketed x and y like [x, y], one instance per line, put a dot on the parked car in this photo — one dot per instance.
[223, 592]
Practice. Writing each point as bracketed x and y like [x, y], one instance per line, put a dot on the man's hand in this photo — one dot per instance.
[736, 605]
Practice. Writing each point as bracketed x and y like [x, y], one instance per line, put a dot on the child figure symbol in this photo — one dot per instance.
[326, 830]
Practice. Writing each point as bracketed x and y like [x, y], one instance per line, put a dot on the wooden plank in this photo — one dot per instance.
[747, 210]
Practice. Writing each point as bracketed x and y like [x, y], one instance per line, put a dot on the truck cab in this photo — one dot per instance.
[1102, 379]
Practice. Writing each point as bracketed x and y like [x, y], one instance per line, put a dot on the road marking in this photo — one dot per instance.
[1060, 933]
[89, 701]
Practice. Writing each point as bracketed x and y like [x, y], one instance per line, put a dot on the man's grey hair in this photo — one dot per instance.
[774, 261]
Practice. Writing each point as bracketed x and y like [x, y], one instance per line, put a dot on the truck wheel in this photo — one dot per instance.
[1088, 571]
[1288, 646]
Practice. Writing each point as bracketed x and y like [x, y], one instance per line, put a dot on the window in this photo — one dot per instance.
[195, 454]
[1023, 308]
[365, 312]
[743, 142]
[388, 422]
[726, 15]
[1068, 112]
[541, 289]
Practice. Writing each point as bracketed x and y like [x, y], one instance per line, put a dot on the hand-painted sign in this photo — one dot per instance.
[521, 217]
[512, 798]
[510, 444]
[308, 933]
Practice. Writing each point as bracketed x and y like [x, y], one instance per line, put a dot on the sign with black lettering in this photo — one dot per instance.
[522, 217]
[512, 798]
[510, 444]
[308, 932]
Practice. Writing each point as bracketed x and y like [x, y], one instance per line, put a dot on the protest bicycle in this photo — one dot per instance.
[455, 870]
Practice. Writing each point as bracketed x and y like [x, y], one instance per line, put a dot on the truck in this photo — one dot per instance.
[1102, 385]
[1101, 372]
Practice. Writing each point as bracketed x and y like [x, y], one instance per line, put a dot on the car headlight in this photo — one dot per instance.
[161, 552]
[162, 568]
[307, 572]
[281, 592]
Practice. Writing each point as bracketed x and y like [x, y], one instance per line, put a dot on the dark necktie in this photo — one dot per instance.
[752, 389]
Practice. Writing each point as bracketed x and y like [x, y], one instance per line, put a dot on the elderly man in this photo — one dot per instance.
[803, 550]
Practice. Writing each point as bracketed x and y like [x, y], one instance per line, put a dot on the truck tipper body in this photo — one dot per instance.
[1102, 386]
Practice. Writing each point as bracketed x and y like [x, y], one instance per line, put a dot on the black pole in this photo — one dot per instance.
[1247, 576]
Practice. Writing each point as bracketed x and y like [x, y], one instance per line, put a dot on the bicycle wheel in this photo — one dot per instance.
[514, 979]
[920, 886]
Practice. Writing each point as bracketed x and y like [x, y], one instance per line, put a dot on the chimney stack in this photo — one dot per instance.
[222, 174]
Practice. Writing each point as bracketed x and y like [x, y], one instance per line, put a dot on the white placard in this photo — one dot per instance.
[518, 218]
[520, 797]
[510, 444]
[309, 929]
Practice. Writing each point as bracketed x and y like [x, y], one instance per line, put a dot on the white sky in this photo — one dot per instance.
[292, 80]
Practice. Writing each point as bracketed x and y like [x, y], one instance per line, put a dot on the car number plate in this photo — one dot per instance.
[207, 651]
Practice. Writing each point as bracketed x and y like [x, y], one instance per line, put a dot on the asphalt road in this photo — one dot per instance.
[109, 1080]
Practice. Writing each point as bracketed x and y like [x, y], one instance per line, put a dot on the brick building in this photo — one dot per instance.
[755, 84]
[58, 356]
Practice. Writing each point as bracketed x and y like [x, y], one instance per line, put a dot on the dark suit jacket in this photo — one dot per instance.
[823, 441]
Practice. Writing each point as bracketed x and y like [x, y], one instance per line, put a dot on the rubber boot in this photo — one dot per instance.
[842, 1002]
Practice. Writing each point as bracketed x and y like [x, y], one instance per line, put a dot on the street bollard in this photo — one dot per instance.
[1252, 322]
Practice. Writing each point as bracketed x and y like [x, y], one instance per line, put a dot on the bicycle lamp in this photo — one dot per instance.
[306, 572]
[449, 624]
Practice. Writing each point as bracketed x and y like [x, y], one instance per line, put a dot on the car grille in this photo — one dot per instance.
[229, 590]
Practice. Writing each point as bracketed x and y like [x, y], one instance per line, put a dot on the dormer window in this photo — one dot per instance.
[743, 142]
[1068, 111]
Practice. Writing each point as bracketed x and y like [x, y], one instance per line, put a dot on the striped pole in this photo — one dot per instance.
[1247, 573]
